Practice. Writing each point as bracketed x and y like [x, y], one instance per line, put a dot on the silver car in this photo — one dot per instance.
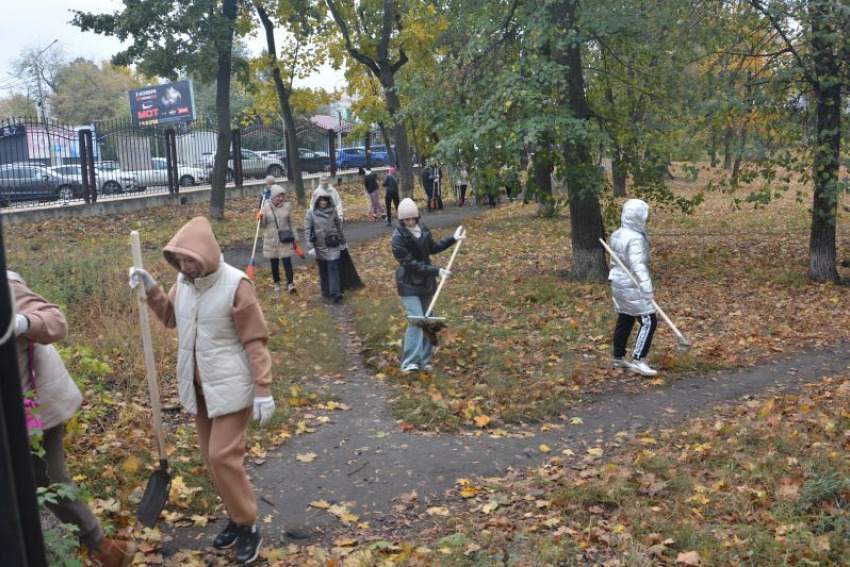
[158, 174]
[253, 164]
[109, 182]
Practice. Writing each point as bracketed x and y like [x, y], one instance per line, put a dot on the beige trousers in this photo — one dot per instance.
[223, 442]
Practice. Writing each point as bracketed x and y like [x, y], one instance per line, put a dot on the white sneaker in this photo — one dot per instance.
[291, 288]
[620, 362]
[641, 367]
[277, 287]
[410, 368]
[428, 367]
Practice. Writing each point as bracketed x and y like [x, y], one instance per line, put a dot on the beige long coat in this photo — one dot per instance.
[272, 246]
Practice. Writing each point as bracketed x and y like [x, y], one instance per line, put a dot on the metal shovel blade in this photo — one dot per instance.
[417, 319]
[155, 497]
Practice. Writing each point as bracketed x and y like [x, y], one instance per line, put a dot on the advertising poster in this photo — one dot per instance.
[162, 104]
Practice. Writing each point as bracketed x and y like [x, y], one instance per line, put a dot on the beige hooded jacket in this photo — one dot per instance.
[219, 342]
[57, 394]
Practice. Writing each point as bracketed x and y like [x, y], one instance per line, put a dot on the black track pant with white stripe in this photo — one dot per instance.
[647, 323]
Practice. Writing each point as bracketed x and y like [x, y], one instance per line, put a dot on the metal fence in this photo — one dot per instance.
[62, 163]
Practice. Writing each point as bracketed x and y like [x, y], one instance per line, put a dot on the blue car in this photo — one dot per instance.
[351, 158]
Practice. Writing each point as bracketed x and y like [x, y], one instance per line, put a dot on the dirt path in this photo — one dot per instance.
[365, 461]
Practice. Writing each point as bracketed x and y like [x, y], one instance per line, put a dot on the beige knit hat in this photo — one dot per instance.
[407, 209]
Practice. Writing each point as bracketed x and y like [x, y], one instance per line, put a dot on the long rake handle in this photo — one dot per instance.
[147, 343]
[257, 233]
[443, 280]
[660, 311]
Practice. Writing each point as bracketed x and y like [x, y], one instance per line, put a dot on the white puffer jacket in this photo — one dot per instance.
[207, 335]
[630, 243]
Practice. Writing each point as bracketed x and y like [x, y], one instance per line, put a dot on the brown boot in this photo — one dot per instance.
[113, 553]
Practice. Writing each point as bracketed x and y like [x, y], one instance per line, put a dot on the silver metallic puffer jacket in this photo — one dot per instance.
[629, 242]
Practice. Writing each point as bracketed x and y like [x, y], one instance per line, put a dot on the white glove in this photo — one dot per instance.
[22, 324]
[444, 273]
[263, 409]
[141, 276]
[311, 252]
[459, 234]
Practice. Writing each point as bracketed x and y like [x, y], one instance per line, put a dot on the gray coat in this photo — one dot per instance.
[630, 243]
[319, 224]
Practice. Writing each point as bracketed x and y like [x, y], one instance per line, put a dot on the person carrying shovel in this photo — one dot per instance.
[633, 298]
[416, 278]
[223, 367]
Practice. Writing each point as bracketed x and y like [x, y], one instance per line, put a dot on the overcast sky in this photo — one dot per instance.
[36, 23]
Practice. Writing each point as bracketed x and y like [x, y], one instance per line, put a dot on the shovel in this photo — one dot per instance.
[159, 484]
[433, 325]
[684, 344]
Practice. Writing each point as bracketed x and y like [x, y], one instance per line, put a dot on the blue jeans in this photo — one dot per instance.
[417, 347]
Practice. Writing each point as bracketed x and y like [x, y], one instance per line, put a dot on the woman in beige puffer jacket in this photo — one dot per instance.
[277, 215]
[39, 324]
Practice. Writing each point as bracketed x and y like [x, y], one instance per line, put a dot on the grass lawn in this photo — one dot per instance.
[524, 342]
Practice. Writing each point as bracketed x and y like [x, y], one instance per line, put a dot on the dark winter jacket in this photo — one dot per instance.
[371, 182]
[416, 275]
[391, 183]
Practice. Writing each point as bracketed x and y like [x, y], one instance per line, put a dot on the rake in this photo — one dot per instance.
[431, 326]
[684, 343]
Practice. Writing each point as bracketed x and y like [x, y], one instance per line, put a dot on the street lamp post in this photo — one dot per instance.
[37, 66]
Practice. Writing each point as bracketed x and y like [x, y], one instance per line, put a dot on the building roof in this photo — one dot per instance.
[331, 123]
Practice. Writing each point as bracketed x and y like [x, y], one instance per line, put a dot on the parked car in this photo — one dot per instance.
[350, 158]
[253, 164]
[381, 149]
[36, 183]
[109, 182]
[311, 161]
[158, 174]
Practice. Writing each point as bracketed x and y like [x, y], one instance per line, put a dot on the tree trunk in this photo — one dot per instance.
[542, 171]
[224, 48]
[402, 146]
[292, 154]
[581, 174]
[385, 134]
[618, 173]
[727, 148]
[739, 154]
[827, 92]
[712, 149]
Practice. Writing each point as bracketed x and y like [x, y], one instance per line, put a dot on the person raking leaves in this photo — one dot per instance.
[223, 367]
[416, 278]
[633, 302]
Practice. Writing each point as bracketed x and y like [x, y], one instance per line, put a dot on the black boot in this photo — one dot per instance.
[227, 537]
[248, 544]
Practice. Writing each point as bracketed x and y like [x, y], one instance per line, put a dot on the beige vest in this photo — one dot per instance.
[58, 396]
[207, 336]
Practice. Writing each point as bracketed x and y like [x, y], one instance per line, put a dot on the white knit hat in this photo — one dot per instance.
[407, 209]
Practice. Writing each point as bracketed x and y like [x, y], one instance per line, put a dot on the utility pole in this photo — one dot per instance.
[37, 67]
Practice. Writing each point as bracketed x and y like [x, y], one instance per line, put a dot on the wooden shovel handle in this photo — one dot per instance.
[147, 343]
[443, 280]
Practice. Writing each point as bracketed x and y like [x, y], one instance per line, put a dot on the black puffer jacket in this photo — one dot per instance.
[416, 275]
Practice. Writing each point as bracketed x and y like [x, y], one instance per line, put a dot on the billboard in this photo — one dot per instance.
[162, 104]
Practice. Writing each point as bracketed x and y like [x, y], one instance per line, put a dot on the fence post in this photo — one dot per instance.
[87, 165]
[171, 161]
[332, 151]
[236, 136]
[368, 150]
